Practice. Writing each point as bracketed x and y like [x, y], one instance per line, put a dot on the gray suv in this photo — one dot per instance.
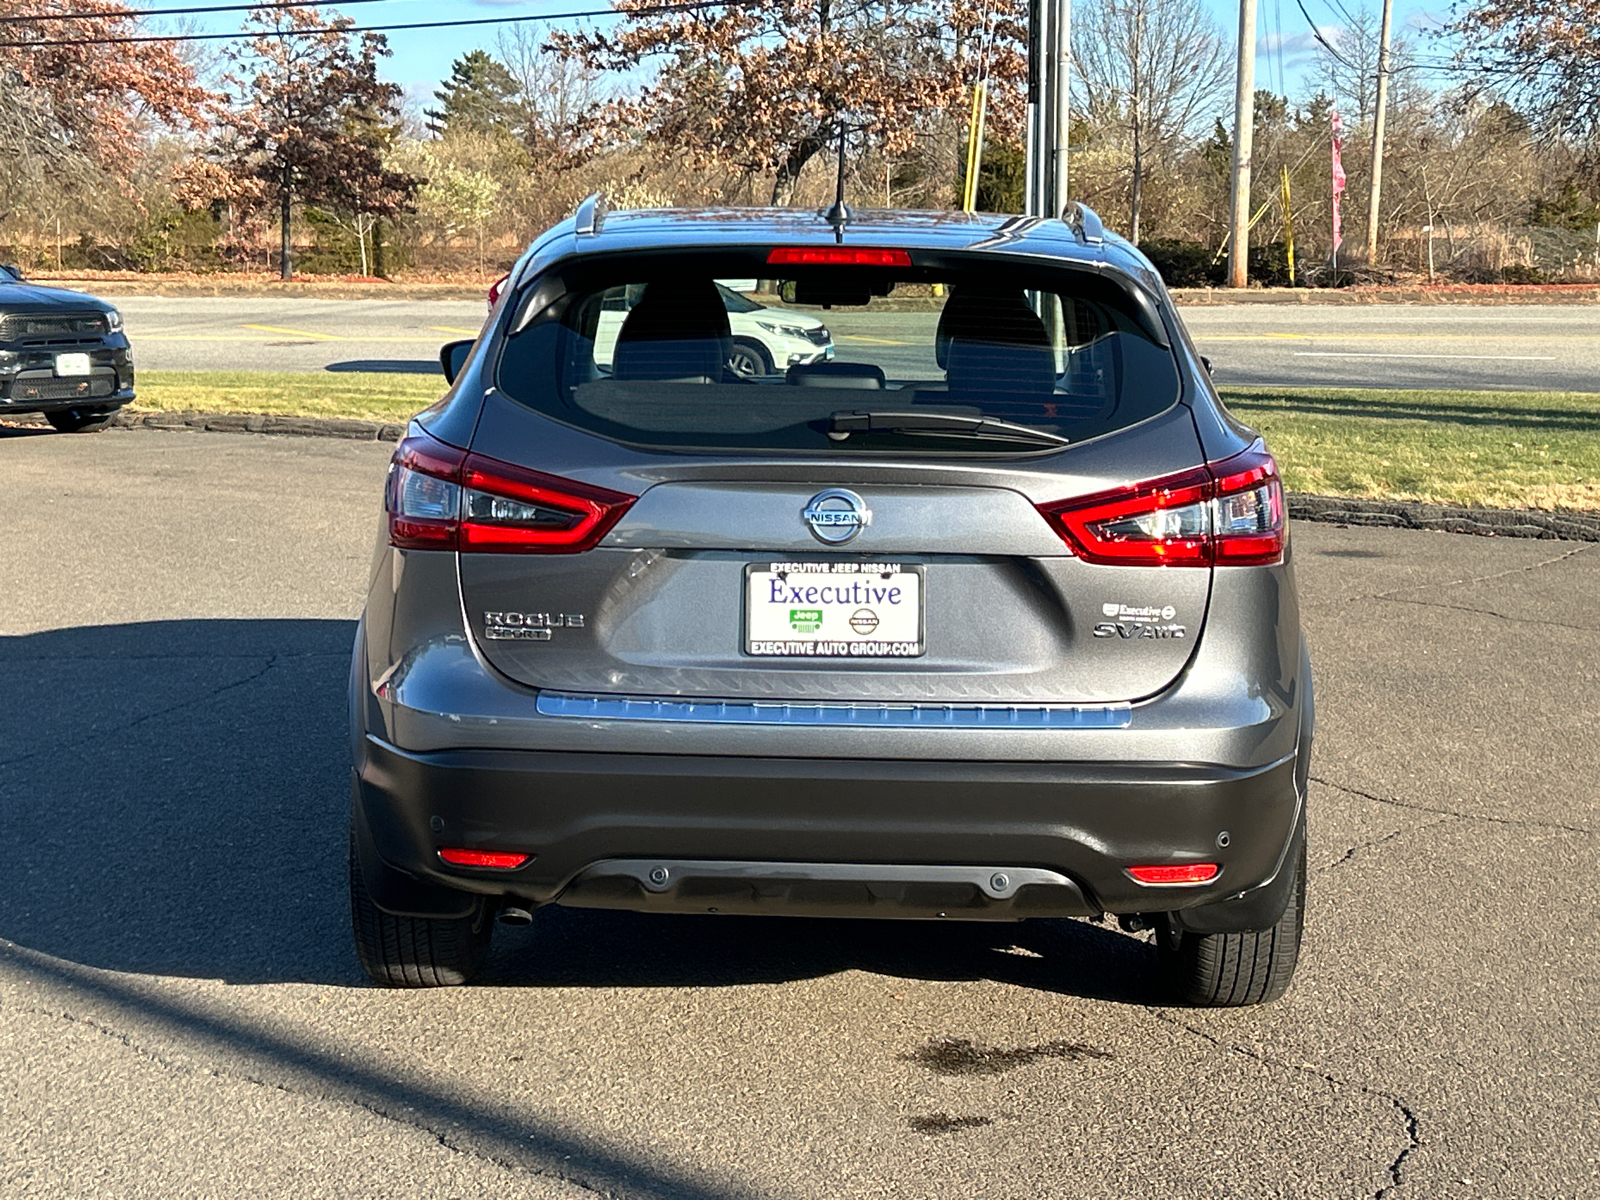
[990, 617]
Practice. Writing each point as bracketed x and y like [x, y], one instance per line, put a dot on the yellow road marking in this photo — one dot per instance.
[861, 337]
[321, 337]
[233, 337]
[453, 329]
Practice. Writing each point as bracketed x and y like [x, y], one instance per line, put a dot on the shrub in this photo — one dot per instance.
[1519, 273]
[172, 240]
[1185, 264]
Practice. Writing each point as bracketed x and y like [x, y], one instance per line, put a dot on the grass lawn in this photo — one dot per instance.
[1486, 449]
[1492, 449]
[365, 395]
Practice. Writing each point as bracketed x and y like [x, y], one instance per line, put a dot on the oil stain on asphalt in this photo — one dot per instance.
[934, 1124]
[961, 1056]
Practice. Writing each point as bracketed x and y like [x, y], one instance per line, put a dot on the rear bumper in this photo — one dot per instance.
[845, 837]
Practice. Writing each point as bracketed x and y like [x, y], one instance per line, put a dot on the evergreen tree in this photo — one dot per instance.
[480, 96]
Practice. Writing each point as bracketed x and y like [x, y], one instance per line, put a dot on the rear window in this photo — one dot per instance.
[675, 352]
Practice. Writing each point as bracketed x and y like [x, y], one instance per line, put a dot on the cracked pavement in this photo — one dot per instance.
[181, 1014]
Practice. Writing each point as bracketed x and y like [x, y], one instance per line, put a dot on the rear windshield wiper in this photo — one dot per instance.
[938, 424]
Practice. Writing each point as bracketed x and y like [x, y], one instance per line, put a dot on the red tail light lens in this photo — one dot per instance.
[423, 495]
[1175, 873]
[1228, 513]
[482, 858]
[1248, 513]
[511, 508]
[441, 498]
[851, 256]
[498, 286]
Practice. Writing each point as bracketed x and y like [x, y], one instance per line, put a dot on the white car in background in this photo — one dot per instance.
[766, 341]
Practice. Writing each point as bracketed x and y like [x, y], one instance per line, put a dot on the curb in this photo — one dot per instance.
[335, 427]
[1329, 510]
[1369, 297]
[1406, 514]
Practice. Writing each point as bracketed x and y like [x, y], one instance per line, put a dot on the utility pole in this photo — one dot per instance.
[1377, 133]
[1244, 127]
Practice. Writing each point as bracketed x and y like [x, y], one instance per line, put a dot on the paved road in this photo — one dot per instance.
[181, 1014]
[188, 333]
[1518, 347]
[1459, 346]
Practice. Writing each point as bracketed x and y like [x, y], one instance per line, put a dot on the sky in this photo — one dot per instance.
[422, 58]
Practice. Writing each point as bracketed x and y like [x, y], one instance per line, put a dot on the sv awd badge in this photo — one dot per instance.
[527, 627]
[1128, 632]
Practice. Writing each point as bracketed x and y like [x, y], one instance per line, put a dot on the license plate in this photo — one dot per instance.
[72, 364]
[833, 610]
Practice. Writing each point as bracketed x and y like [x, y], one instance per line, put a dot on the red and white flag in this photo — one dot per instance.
[1338, 179]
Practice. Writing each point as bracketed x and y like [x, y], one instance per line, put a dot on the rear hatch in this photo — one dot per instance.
[989, 496]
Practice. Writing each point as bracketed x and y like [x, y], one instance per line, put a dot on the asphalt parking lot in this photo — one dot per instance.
[1518, 347]
[181, 1014]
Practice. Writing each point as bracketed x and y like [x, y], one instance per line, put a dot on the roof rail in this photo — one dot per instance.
[1084, 222]
[591, 213]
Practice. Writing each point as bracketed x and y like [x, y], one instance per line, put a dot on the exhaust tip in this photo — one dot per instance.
[512, 915]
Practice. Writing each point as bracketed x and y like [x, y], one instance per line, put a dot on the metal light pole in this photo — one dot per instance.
[1063, 97]
[1049, 59]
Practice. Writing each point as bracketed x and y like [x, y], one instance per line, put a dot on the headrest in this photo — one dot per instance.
[998, 347]
[838, 375]
[678, 330]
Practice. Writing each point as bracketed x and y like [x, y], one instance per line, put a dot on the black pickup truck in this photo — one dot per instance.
[63, 354]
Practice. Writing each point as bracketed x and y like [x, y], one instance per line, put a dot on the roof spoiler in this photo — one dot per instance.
[590, 215]
[1084, 222]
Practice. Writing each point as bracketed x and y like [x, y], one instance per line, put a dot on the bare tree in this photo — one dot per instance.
[1544, 55]
[1346, 67]
[555, 93]
[1152, 72]
[762, 87]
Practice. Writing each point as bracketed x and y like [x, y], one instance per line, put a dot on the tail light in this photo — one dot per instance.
[498, 286]
[1167, 874]
[482, 858]
[441, 498]
[1228, 513]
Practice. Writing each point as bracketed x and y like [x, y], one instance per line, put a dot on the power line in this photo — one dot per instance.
[1325, 43]
[170, 12]
[641, 10]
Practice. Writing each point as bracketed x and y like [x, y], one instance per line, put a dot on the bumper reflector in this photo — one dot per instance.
[482, 858]
[1175, 873]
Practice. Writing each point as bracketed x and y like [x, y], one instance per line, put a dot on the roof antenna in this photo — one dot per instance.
[839, 215]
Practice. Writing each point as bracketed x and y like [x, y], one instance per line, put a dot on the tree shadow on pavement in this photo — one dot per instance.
[412, 1090]
[390, 366]
[173, 801]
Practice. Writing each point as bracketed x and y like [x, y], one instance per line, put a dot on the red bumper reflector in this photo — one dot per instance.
[482, 858]
[1176, 873]
[849, 256]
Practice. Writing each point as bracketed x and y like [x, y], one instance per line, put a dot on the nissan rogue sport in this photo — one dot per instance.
[990, 617]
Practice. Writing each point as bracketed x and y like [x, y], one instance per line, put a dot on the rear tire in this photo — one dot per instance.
[76, 420]
[1233, 970]
[416, 952]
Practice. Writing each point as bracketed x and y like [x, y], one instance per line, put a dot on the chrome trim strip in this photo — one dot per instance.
[846, 715]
